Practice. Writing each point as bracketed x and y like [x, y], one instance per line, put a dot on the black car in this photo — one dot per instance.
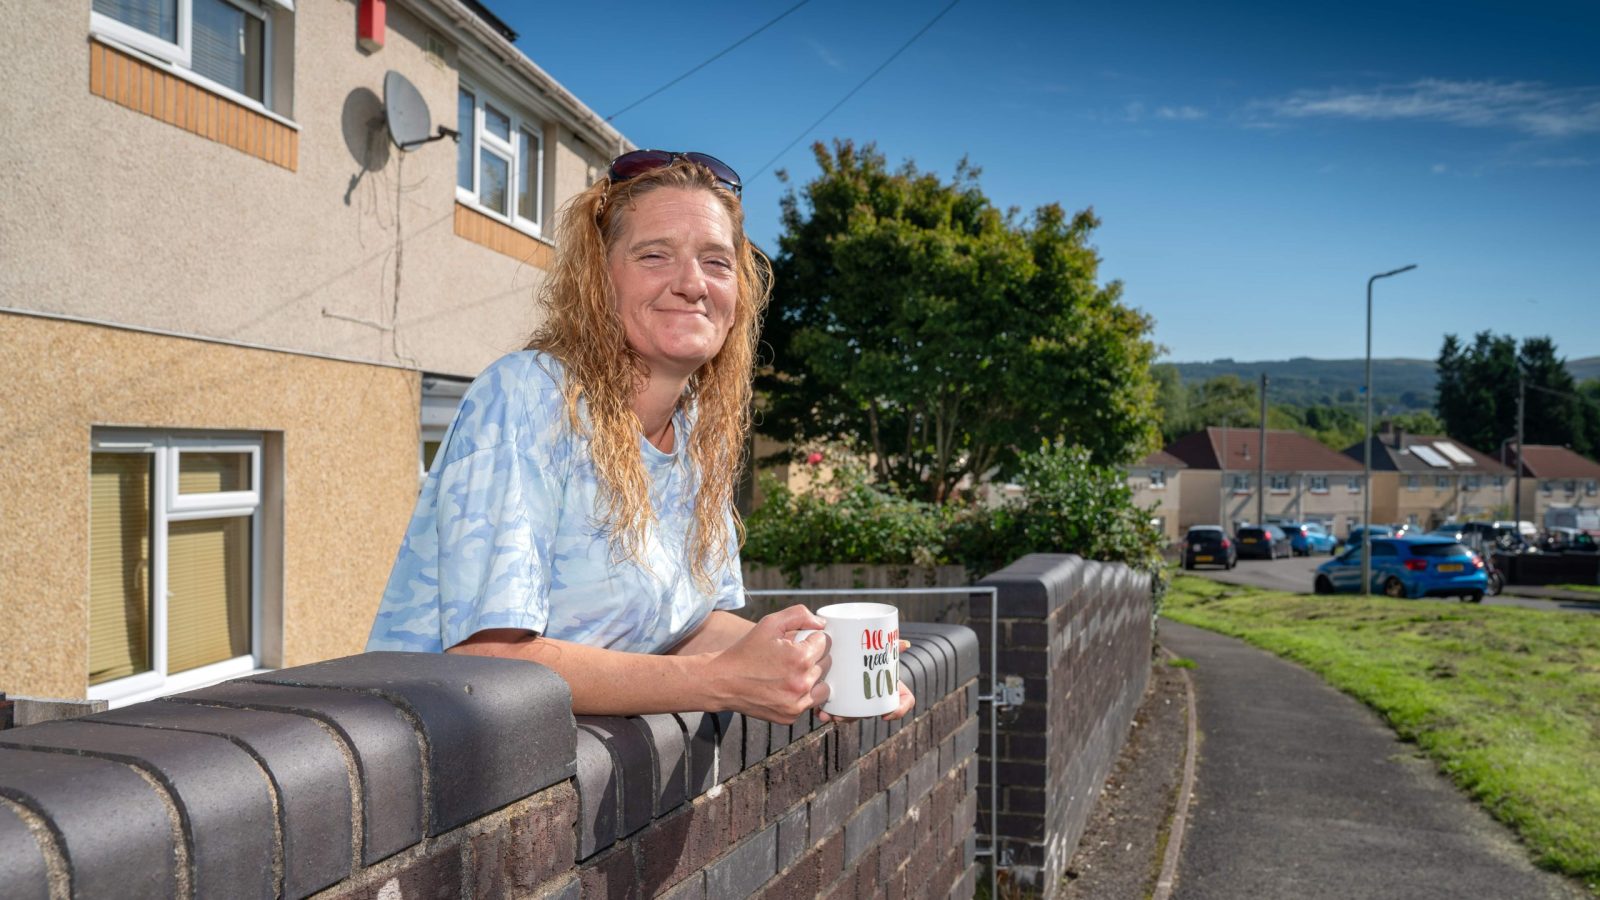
[1208, 545]
[1263, 542]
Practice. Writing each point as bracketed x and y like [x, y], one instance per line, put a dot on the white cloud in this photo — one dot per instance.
[1440, 168]
[1180, 113]
[1525, 106]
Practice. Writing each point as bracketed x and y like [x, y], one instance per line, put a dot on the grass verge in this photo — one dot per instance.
[1586, 588]
[1505, 700]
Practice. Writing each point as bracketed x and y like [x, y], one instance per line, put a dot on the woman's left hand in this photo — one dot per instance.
[907, 701]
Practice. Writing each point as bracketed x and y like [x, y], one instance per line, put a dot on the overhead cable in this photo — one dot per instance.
[719, 55]
[873, 74]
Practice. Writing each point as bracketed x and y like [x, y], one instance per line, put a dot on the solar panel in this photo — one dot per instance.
[1430, 456]
[1453, 453]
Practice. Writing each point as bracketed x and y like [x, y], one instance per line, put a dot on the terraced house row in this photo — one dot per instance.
[1213, 477]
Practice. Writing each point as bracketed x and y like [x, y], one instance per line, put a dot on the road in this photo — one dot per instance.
[1295, 574]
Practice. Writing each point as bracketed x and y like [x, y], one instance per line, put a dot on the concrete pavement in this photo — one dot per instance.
[1303, 792]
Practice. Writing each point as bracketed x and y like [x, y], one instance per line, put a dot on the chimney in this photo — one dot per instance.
[1399, 438]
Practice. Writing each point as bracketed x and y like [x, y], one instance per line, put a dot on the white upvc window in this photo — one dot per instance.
[225, 44]
[175, 562]
[1441, 482]
[1472, 482]
[1570, 486]
[1591, 487]
[1547, 486]
[1158, 479]
[1279, 484]
[1355, 485]
[1319, 484]
[1241, 484]
[1413, 483]
[499, 159]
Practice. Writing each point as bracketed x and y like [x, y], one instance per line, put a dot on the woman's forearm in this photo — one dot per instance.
[609, 682]
[720, 630]
[756, 669]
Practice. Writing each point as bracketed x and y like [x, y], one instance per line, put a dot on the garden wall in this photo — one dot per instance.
[399, 775]
[412, 775]
[1549, 568]
[1076, 635]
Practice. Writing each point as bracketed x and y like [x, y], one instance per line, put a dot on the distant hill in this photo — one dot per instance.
[1409, 384]
[1404, 383]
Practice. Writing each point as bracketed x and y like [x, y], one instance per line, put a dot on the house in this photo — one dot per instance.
[1156, 484]
[1305, 481]
[1428, 479]
[233, 315]
[1554, 477]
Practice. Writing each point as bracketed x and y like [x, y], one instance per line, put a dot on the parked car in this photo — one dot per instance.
[1409, 567]
[1378, 531]
[1523, 529]
[1263, 541]
[1568, 540]
[1309, 538]
[1209, 545]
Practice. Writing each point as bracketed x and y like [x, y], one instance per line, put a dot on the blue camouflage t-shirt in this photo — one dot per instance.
[507, 532]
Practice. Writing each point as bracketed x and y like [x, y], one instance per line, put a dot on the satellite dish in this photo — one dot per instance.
[406, 114]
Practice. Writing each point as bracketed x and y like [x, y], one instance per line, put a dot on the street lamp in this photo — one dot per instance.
[1366, 447]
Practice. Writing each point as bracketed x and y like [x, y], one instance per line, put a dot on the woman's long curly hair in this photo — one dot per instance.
[583, 331]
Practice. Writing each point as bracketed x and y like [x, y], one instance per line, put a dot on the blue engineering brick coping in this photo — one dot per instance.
[289, 782]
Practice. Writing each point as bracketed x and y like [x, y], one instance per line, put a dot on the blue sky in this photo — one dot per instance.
[1252, 164]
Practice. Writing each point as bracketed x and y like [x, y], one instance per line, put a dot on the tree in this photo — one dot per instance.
[1478, 392]
[1224, 400]
[1419, 422]
[1552, 413]
[1478, 389]
[947, 337]
[1173, 399]
[1590, 407]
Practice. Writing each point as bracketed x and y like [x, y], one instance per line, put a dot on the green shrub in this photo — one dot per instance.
[846, 519]
[1068, 506]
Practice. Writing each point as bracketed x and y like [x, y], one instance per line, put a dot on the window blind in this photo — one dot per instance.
[227, 46]
[208, 592]
[119, 565]
[210, 473]
[155, 17]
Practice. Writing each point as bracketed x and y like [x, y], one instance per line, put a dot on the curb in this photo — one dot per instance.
[1180, 818]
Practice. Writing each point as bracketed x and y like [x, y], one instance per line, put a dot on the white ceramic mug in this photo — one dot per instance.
[864, 680]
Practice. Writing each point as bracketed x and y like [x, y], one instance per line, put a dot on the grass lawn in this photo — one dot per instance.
[1588, 588]
[1507, 701]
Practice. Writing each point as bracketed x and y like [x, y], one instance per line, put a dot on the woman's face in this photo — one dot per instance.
[673, 274]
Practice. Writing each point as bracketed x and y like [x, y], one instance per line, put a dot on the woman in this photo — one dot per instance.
[579, 513]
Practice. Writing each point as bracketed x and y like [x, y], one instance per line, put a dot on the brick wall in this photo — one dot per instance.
[391, 775]
[1078, 634]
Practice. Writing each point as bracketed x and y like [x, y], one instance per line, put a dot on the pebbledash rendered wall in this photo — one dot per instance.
[1077, 633]
[397, 775]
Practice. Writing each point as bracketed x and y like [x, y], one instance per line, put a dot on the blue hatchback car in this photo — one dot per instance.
[1309, 539]
[1409, 567]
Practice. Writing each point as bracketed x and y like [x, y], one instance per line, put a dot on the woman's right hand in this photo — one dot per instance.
[770, 675]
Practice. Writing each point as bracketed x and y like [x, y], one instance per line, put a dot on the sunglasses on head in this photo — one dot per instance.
[631, 165]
